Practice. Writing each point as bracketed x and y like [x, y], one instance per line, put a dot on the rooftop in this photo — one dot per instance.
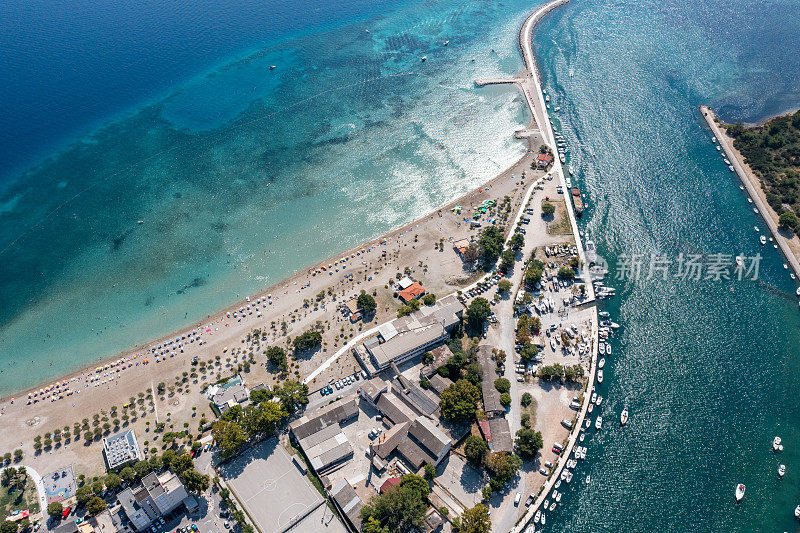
[348, 501]
[403, 343]
[121, 448]
[334, 413]
[413, 291]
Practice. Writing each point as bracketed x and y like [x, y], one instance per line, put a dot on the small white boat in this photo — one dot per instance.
[544, 519]
[601, 363]
[591, 408]
[739, 494]
[600, 376]
[446, 43]
[583, 436]
[623, 418]
[776, 445]
[558, 497]
[588, 479]
[537, 517]
[553, 506]
[797, 512]
[763, 240]
[570, 168]
[598, 424]
[727, 162]
[797, 292]
[730, 167]
[781, 470]
[718, 148]
[599, 400]
[739, 261]
[546, 504]
[608, 349]
[602, 314]
[594, 397]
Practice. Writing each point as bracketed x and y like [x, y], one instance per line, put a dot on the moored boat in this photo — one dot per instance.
[739, 494]
[600, 376]
[623, 418]
[598, 424]
[781, 470]
[776, 445]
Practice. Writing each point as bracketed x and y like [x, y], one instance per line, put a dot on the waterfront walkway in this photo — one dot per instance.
[751, 182]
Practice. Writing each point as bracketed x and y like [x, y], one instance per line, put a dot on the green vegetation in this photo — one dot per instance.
[528, 443]
[307, 341]
[507, 259]
[490, 243]
[502, 384]
[96, 506]
[409, 308]
[548, 209]
[277, 356]
[477, 312]
[502, 468]
[788, 220]
[505, 399]
[475, 520]
[551, 372]
[366, 303]
[533, 274]
[504, 286]
[430, 472]
[16, 492]
[517, 241]
[475, 448]
[429, 299]
[566, 273]
[463, 364]
[526, 399]
[238, 425]
[573, 373]
[459, 401]
[55, 510]
[398, 509]
[773, 152]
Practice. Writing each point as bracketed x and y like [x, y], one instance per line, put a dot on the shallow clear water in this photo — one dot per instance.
[243, 175]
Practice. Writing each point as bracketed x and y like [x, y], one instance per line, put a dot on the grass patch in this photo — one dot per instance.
[19, 499]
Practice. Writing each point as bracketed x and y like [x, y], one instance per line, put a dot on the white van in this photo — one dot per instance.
[517, 498]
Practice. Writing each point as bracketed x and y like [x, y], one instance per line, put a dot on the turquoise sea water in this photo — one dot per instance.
[354, 135]
[709, 370]
[242, 174]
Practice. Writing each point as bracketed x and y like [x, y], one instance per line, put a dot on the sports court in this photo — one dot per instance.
[59, 485]
[274, 493]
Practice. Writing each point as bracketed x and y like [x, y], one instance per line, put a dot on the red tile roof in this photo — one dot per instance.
[389, 483]
[415, 290]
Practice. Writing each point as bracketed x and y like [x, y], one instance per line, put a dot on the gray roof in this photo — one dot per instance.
[406, 342]
[501, 435]
[431, 437]
[390, 406]
[236, 392]
[348, 501]
[121, 448]
[388, 441]
[414, 396]
[326, 447]
[491, 396]
[438, 383]
[414, 454]
[334, 413]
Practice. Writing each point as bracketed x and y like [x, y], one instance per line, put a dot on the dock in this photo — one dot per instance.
[752, 184]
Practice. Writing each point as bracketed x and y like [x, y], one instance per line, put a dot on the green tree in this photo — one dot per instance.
[293, 395]
[548, 209]
[84, 494]
[54, 509]
[517, 241]
[430, 472]
[7, 526]
[491, 243]
[566, 273]
[505, 399]
[228, 436]
[504, 286]
[459, 401]
[551, 372]
[528, 443]
[477, 312]
[97, 487]
[307, 341]
[788, 220]
[526, 399]
[142, 468]
[475, 448]
[573, 373]
[502, 467]
[476, 520]
[113, 482]
[96, 506]
[528, 352]
[507, 259]
[398, 509]
[263, 418]
[195, 482]
[277, 357]
[127, 474]
[502, 384]
[366, 303]
[429, 299]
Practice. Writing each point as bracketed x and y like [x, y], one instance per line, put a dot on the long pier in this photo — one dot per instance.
[751, 183]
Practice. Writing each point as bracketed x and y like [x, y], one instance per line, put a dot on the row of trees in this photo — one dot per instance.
[556, 371]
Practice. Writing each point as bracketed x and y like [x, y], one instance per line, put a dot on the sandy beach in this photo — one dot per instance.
[422, 248]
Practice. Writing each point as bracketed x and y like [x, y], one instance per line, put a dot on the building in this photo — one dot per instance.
[441, 355]
[461, 246]
[497, 433]
[120, 449]
[334, 413]
[404, 338]
[326, 448]
[405, 283]
[418, 442]
[491, 396]
[155, 497]
[544, 160]
[232, 392]
[439, 384]
[412, 292]
[348, 502]
[373, 388]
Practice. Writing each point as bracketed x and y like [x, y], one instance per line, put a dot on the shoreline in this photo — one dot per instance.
[289, 279]
[790, 248]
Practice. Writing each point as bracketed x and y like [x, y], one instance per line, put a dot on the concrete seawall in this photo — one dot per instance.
[752, 184]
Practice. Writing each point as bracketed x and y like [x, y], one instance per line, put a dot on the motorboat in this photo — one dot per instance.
[608, 349]
[730, 167]
[446, 43]
[594, 397]
[598, 424]
[602, 348]
[553, 506]
[623, 418]
[588, 479]
[781, 470]
[600, 376]
[591, 408]
[544, 519]
[571, 170]
[603, 314]
[601, 363]
[739, 494]
[739, 261]
[776, 445]
[558, 497]
[557, 484]
[762, 240]
[537, 517]
[797, 512]
[797, 292]
[599, 400]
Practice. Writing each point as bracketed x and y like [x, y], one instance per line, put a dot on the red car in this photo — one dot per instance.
[66, 512]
